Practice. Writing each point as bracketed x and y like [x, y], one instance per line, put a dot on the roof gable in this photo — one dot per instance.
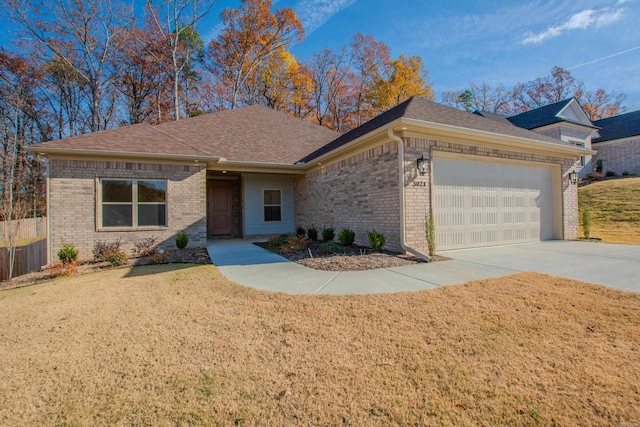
[621, 126]
[568, 110]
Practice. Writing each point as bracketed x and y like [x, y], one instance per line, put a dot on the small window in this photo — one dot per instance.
[272, 205]
[134, 203]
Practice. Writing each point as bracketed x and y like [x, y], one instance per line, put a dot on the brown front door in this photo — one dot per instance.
[220, 208]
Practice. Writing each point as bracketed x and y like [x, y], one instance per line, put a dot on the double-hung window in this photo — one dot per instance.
[134, 203]
[272, 205]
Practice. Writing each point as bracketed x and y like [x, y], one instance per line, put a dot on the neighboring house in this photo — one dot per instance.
[618, 145]
[564, 120]
[256, 171]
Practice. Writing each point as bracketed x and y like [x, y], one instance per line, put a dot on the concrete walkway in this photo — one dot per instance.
[616, 266]
[247, 264]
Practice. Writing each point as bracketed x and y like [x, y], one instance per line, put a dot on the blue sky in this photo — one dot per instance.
[495, 41]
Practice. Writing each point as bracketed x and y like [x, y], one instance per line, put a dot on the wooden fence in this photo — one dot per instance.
[28, 258]
[30, 228]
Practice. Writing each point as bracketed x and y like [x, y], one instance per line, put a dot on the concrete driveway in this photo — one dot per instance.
[617, 266]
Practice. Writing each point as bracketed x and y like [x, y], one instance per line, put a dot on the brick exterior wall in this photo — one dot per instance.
[361, 192]
[74, 204]
[619, 157]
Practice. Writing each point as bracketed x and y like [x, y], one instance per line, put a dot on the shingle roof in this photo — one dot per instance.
[540, 116]
[429, 111]
[248, 134]
[135, 139]
[251, 134]
[493, 116]
[617, 127]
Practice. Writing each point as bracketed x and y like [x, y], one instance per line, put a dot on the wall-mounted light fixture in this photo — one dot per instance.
[422, 164]
[573, 177]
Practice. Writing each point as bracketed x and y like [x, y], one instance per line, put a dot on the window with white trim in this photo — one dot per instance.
[272, 205]
[133, 203]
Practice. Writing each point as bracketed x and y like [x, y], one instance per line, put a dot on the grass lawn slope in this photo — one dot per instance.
[615, 209]
[181, 345]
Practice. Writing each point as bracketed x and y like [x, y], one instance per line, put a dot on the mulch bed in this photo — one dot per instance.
[355, 258]
[184, 256]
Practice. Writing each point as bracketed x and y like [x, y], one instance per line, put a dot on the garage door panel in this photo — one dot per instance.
[478, 203]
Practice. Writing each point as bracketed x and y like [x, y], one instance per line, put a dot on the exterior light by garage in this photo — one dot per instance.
[573, 177]
[422, 164]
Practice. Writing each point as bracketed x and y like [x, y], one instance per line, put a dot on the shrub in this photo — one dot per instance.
[610, 173]
[158, 258]
[626, 173]
[312, 233]
[182, 240]
[300, 231]
[586, 223]
[430, 233]
[146, 247]
[293, 244]
[599, 166]
[277, 240]
[67, 253]
[328, 234]
[59, 269]
[346, 237]
[331, 247]
[376, 240]
[594, 176]
[116, 258]
[103, 249]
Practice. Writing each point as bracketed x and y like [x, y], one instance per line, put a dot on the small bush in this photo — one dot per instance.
[293, 244]
[626, 173]
[430, 233]
[328, 234]
[300, 231]
[346, 237]
[331, 247]
[116, 258]
[312, 233]
[101, 250]
[69, 269]
[277, 240]
[586, 223]
[158, 258]
[182, 240]
[376, 240]
[599, 166]
[610, 173]
[67, 253]
[145, 248]
[594, 176]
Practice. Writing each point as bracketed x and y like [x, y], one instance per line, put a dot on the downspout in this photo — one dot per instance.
[45, 161]
[403, 225]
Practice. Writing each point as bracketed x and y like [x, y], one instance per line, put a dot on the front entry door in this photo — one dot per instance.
[220, 201]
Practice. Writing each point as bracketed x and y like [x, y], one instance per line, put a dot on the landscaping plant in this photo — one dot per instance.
[67, 253]
[586, 222]
[346, 237]
[146, 247]
[328, 234]
[430, 233]
[182, 240]
[312, 233]
[331, 247]
[300, 231]
[376, 240]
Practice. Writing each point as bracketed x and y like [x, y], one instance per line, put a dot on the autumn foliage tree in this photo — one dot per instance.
[252, 37]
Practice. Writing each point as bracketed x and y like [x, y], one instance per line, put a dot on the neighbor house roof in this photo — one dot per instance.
[618, 127]
[547, 115]
[493, 116]
[429, 111]
[249, 134]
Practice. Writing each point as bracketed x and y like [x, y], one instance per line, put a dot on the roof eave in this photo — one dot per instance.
[48, 151]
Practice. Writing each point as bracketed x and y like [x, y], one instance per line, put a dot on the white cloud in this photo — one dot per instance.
[314, 13]
[578, 21]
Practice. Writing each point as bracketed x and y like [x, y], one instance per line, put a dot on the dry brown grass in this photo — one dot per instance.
[615, 210]
[169, 345]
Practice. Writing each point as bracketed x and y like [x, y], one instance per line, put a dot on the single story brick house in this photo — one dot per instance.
[255, 171]
[618, 145]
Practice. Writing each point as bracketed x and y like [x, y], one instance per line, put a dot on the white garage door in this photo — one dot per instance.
[480, 203]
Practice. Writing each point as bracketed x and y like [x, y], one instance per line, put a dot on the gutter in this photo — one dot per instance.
[128, 154]
[403, 225]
